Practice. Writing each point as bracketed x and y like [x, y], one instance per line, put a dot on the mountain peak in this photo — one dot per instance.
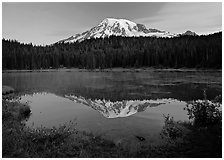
[117, 27]
[119, 22]
[189, 33]
[106, 20]
[111, 19]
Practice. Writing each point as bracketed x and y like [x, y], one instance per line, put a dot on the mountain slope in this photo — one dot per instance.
[117, 27]
[189, 33]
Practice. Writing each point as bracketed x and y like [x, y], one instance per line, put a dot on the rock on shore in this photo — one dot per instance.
[7, 90]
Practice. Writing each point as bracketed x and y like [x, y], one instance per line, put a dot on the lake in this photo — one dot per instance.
[115, 104]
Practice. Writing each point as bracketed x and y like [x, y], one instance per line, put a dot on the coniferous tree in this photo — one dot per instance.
[177, 52]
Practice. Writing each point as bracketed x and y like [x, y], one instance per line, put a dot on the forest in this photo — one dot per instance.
[203, 51]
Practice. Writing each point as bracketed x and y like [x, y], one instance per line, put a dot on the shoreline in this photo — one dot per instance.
[147, 69]
[68, 142]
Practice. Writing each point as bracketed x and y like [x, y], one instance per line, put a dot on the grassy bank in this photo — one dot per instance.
[180, 139]
[65, 141]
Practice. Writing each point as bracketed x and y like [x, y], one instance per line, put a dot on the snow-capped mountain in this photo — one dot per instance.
[189, 33]
[117, 109]
[117, 27]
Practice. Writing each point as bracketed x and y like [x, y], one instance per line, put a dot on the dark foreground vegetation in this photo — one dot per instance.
[178, 52]
[200, 138]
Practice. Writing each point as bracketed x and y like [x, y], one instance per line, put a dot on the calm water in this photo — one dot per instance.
[119, 85]
[51, 110]
[53, 100]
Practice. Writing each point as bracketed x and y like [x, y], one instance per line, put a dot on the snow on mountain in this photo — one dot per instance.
[117, 27]
[189, 33]
[117, 109]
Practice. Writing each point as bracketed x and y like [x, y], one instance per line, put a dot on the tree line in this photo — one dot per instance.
[185, 51]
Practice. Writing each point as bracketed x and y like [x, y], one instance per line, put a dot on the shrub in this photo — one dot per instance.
[205, 113]
[171, 130]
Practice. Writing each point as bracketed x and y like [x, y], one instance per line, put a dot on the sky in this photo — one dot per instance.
[43, 23]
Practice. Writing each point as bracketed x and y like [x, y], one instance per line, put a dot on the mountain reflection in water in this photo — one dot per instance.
[119, 120]
[117, 109]
[51, 110]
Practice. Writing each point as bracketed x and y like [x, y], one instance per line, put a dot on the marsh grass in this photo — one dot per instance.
[64, 141]
[200, 137]
[173, 130]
